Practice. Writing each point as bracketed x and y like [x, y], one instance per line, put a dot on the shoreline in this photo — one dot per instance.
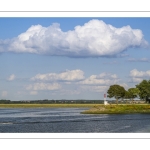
[119, 109]
[46, 105]
[91, 108]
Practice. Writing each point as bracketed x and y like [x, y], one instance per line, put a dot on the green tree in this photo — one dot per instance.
[116, 91]
[127, 95]
[144, 88]
[133, 92]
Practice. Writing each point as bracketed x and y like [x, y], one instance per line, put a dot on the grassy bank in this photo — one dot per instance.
[118, 109]
[45, 105]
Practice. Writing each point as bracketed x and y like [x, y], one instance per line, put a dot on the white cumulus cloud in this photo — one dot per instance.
[68, 75]
[101, 79]
[95, 38]
[141, 74]
[138, 76]
[11, 77]
[136, 80]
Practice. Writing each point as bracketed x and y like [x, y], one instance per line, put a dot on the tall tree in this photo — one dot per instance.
[133, 92]
[116, 91]
[127, 95]
[144, 88]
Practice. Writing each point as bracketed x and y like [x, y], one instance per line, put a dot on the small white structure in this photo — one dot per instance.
[105, 102]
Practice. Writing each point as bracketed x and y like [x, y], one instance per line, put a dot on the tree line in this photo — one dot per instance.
[4, 101]
[141, 90]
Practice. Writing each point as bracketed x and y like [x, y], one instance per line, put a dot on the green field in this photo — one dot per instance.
[45, 105]
[119, 109]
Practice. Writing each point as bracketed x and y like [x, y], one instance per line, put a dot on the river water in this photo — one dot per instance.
[69, 120]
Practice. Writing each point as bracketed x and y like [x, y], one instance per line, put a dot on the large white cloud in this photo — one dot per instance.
[68, 75]
[141, 74]
[74, 82]
[94, 38]
[138, 76]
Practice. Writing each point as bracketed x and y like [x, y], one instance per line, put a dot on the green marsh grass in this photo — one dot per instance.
[119, 109]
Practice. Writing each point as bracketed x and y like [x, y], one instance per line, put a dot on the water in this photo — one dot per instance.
[69, 120]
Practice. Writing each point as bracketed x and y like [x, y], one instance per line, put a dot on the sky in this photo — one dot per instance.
[71, 58]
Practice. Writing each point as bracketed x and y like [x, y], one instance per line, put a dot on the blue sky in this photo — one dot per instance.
[71, 58]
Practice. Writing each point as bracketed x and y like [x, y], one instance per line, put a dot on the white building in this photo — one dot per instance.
[105, 102]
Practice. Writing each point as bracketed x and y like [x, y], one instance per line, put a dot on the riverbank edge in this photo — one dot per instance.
[109, 113]
[119, 109]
